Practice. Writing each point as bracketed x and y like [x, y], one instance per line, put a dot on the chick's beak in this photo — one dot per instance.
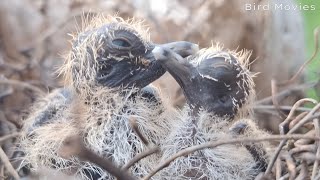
[175, 64]
[153, 68]
[182, 48]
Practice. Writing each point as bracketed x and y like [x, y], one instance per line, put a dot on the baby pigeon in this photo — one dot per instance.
[106, 75]
[218, 87]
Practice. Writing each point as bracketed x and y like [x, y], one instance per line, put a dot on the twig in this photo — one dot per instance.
[308, 117]
[303, 148]
[284, 108]
[308, 156]
[23, 85]
[315, 52]
[278, 169]
[2, 172]
[214, 144]
[297, 119]
[296, 127]
[303, 171]
[291, 166]
[140, 156]
[75, 147]
[8, 165]
[275, 102]
[305, 141]
[286, 122]
[135, 128]
[286, 176]
[316, 163]
[9, 136]
[285, 93]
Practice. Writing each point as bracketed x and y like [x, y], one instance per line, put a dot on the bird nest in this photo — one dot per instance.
[295, 153]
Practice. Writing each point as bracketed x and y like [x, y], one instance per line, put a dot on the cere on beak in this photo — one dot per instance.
[214, 80]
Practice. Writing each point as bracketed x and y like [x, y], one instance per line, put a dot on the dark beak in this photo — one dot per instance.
[154, 68]
[175, 64]
[182, 48]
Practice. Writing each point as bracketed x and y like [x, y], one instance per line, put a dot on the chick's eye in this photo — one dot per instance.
[121, 43]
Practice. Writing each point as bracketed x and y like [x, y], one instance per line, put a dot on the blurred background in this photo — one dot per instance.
[34, 36]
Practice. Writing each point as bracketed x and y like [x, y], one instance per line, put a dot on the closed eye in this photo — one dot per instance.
[121, 43]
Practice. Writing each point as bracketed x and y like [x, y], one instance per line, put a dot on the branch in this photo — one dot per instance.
[140, 156]
[23, 85]
[308, 117]
[285, 93]
[4, 158]
[75, 147]
[134, 126]
[214, 144]
[316, 163]
[284, 108]
[9, 136]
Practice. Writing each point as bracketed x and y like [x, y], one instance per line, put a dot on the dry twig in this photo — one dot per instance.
[8, 165]
[316, 163]
[274, 90]
[214, 144]
[23, 85]
[135, 128]
[75, 147]
[9, 136]
[140, 156]
[287, 92]
[308, 117]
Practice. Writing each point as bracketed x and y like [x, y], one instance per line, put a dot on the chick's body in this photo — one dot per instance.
[218, 88]
[105, 75]
[231, 161]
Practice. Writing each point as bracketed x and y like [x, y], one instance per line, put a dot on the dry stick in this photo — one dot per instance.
[286, 176]
[214, 144]
[316, 163]
[4, 158]
[275, 102]
[292, 111]
[305, 141]
[308, 156]
[278, 169]
[74, 146]
[297, 119]
[315, 52]
[140, 156]
[303, 172]
[287, 92]
[271, 107]
[303, 148]
[291, 166]
[135, 128]
[307, 118]
[12, 135]
[23, 85]
[283, 142]
[2, 172]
